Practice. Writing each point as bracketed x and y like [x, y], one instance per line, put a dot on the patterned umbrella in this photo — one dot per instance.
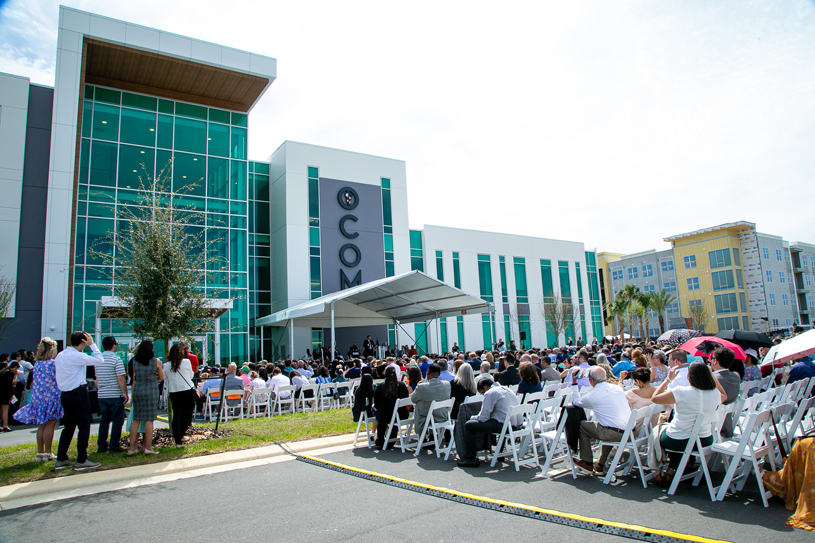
[677, 336]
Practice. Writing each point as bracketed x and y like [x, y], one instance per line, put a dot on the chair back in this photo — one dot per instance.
[473, 399]
[533, 397]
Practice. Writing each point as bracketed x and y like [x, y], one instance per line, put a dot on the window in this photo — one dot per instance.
[775, 323]
[673, 308]
[485, 277]
[726, 303]
[652, 314]
[769, 276]
[728, 323]
[781, 277]
[772, 298]
[647, 270]
[520, 280]
[722, 280]
[649, 289]
[616, 275]
[690, 262]
[457, 284]
[720, 258]
[693, 283]
[736, 257]
[806, 280]
[439, 266]
[695, 306]
[740, 278]
[766, 252]
[502, 268]
[778, 255]
[785, 299]
[743, 301]
[633, 273]
[745, 322]
[667, 265]
[670, 286]
[788, 322]
[417, 251]
[809, 301]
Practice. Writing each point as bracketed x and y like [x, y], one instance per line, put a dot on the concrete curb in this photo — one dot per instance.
[84, 481]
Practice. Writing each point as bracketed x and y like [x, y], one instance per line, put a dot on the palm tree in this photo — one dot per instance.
[616, 311]
[645, 302]
[638, 310]
[659, 303]
[630, 294]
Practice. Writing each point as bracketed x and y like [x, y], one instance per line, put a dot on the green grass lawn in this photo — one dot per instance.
[18, 465]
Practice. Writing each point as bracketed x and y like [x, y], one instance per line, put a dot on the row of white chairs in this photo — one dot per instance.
[263, 402]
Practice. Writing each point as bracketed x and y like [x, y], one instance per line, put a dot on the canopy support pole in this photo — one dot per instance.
[333, 339]
[438, 333]
[291, 337]
[261, 344]
[492, 326]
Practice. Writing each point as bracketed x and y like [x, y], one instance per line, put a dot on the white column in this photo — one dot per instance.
[438, 334]
[217, 340]
[97, 332]
[261, 344]
[333, 341]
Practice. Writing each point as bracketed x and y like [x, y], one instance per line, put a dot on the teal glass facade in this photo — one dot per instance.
[127, 136]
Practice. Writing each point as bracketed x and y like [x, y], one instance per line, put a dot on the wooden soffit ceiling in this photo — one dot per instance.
[129, 69]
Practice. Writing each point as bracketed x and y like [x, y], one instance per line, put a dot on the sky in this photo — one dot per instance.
[611, 123]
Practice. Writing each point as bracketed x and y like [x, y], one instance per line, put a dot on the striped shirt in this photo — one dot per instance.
[107, 373]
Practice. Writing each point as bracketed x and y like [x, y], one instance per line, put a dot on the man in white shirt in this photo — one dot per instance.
[497, 402]
[392, 364]
[278, 380]
[612, 411]
[71, 365]
[446, 374]
[485, 372]
[678, 360]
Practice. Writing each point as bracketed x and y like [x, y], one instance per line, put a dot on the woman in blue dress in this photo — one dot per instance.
[45, 408]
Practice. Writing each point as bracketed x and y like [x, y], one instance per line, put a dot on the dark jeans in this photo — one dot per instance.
[77, 406]
[469, 450]
[113, 415]
[183, 405]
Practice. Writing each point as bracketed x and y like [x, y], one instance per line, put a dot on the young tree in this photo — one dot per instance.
[8, 290]
[645, 302]
[557, 315]
[700, 316]
[638, 310]
[161, 256]
[659, 303]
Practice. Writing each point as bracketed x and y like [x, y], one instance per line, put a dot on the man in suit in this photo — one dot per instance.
[548, 373]
[368, 347]
[721, 359]
[425, 393]
[510, 375]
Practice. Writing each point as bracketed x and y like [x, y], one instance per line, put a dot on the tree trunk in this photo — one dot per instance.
[642, 329]
[661, 324]
[630, 330]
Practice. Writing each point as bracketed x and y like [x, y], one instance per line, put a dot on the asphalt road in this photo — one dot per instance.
[298, 502]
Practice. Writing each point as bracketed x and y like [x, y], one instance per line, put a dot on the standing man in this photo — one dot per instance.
[367, 347]
[110, 381]
[71, 365]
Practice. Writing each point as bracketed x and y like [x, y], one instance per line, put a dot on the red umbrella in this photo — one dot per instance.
[703, 346]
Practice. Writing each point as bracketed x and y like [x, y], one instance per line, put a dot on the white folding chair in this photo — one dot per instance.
[694, 448]
[345, 393]
[234, 411]
[754, 445]
[403, 426]
[524, 433]
[766, 382]
[800, 422]
[363, 419]
[213, 402]
[633, 439]
[308, 403]
[473, 399]
[326, 396]
[808, 392]
[259, 403]
[552, 388]
[513, 388]
[553, 442]
[437, 427]
[279, 401]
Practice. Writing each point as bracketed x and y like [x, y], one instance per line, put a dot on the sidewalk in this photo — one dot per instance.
[26, 494]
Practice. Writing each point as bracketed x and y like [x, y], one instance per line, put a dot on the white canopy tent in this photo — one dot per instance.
[406, 298]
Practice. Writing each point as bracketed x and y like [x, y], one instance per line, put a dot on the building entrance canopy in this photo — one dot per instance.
[406, 298]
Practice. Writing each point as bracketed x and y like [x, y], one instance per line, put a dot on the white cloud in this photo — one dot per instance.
[616, 124]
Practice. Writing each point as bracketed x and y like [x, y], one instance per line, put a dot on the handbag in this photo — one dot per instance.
[192, 387]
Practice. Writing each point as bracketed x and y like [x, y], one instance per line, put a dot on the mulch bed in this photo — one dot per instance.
[163, 437]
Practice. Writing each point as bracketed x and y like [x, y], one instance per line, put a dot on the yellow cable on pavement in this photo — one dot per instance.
[569, 519]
